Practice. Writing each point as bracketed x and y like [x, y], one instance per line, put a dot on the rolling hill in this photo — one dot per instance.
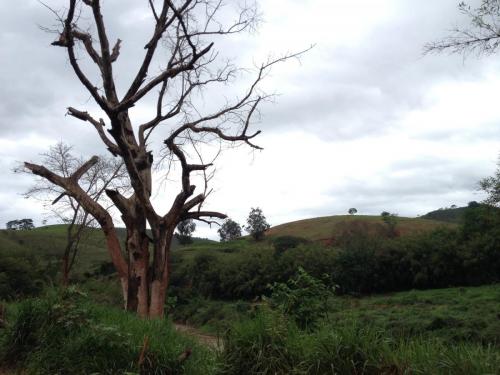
[47, 243]
[322, 228]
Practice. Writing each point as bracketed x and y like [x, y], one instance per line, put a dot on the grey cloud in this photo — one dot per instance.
[365, 89]
[342, 93]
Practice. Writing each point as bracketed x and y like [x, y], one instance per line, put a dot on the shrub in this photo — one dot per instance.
[19, 278]
[303, 298]
[284, 243]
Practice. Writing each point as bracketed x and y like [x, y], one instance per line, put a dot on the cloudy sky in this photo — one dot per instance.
[362, 120]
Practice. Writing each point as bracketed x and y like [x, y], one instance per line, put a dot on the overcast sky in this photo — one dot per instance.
[363, 120]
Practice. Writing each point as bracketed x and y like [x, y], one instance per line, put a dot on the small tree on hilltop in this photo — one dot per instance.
[27, 224]
[185, 231]
[257, 224]
[352, 211]
[229, 230]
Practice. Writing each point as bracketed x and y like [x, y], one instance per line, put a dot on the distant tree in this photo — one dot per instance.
[473, 204]
[257, 224]
[491, 186]
[26, 224]
[229, 230]
[21, 224]
[12, 225]
[352, 211]
[391, 220]
[453, 206]
[482, 36]
[185, 231]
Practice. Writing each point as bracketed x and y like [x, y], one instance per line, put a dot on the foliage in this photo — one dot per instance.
[185, 231]
[20, 276]
[365, 260]
[64, 334]
[491, 186]
[229, 230]
[257, 224]
[352, 211]
[283, 243]
[450, 215]
[303, 298]
[245, 273]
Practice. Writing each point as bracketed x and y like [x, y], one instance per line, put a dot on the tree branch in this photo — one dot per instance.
[98, 125]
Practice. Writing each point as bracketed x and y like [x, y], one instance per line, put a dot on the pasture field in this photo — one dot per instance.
[322, 228]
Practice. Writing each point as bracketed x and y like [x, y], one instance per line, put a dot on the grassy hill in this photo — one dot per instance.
[48, 242]
[321, 228]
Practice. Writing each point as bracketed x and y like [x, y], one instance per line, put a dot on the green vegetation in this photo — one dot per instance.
[270, 344]
[63, 333]
[448, 331]
[449, 215]
[283, 305]
[48, 243]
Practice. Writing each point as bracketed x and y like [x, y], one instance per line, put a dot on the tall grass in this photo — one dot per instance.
[66, 334]
[269, 344]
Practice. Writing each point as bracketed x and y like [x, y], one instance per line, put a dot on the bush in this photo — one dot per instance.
[19, 278]
[303, 298]
[355, 270]
[284, 243]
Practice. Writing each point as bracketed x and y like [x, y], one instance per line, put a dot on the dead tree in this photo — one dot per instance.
[105, 174]
[183, 28]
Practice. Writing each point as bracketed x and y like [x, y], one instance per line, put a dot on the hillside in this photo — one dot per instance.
[48, 243]
[449, 215]
[321, 228]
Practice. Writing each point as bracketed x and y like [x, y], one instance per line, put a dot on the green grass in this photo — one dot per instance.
[322, 228]
[270, 344]
[48, 244]
[64, 333]
[453, 315]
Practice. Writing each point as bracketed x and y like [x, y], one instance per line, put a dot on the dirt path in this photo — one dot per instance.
[209, 340]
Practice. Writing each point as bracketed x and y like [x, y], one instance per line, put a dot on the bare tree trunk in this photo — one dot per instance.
[137, 246]
[161, 274]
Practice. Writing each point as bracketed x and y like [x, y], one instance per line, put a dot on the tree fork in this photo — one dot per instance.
[183, 25]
